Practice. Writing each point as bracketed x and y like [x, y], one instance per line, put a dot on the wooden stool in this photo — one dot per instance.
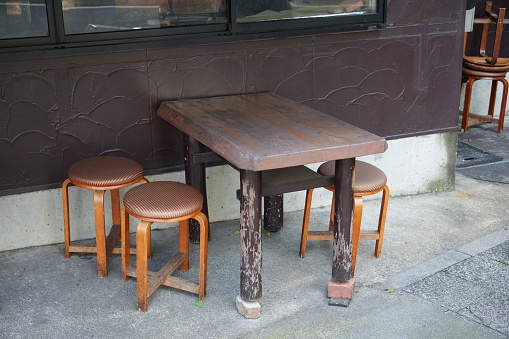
[484, 66]
[100, 174]
[368, 180]
[473, 75]
[163, 201]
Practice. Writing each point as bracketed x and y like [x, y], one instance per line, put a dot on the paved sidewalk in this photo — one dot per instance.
[443, 273]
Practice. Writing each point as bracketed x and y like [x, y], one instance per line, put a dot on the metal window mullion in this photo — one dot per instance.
[232, 15]
[55, 21]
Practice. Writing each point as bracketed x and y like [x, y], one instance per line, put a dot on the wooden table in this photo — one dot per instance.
[265, 131]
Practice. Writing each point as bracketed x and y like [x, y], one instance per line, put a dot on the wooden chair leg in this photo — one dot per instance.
[67, 225]
[144, 180]
[305, 223]
[115, 208]
[184, 243]
[503, 106]
[100, 234]
[331, 217]
[142, 233]
[466, 104]
[356, 229]
[381, 222]
[204, 231]
[125, 242]
[493, 97]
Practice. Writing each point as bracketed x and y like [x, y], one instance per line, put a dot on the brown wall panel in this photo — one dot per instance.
[396, 82]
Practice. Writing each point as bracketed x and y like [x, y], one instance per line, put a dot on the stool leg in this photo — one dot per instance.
[142, 234]
[493, 97]
[125, 242]
[67, 225]
[466, 104]
[381, 222]
[100, 234]
[115, 207]
[502, 106]
[305, 223]
[331, 217]
[184, 243]
[204, 250]
[356, 231]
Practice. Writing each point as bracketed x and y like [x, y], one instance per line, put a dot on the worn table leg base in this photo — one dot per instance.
[341, 289]
[339, 302]
[249, 309]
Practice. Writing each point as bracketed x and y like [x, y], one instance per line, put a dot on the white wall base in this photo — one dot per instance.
[413, 165]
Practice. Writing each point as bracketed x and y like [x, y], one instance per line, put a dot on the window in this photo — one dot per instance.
[255, 11]
[121, 15]
[23, 19]
[61, 23]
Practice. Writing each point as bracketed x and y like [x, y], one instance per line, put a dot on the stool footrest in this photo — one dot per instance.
[155, 281]
[369, 235]
[163, 276]
[320, 235]
[91, 248]
[181, 284]
[111, 240]
[327, 235]
[485, 118]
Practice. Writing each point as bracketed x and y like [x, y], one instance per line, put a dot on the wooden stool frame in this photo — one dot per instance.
[357, 234]
[147, 281]
[491, 108]
[486, 67]
[104, 245]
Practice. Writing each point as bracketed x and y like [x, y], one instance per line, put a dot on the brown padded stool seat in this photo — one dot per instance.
[368, 180]
[163, 201]
[101, 174]
[467, 65]
[105, 171]
[483, 73]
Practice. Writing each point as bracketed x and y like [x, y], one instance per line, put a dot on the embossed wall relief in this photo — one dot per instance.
[397, 82]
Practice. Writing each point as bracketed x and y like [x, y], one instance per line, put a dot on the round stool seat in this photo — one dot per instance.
[105, 171]
[368, 178]
[484, 66]
[483, 74]
[162, 200]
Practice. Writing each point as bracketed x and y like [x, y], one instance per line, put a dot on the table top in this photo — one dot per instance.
[267, 131]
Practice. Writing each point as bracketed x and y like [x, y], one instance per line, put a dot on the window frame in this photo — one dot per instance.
[57, 40]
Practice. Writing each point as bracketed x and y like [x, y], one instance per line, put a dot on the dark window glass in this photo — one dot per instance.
[88, 16]
[27, 25]
[23, 19]
[267, 10]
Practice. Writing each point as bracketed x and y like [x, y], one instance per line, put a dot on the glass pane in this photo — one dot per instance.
[265, 10]
[23, 19]
[88, 16]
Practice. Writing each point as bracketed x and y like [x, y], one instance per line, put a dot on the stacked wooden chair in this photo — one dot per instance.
[486, 65]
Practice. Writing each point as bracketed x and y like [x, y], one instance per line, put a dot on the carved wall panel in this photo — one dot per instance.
[397, 82]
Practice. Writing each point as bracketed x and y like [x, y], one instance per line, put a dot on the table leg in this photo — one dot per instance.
[341, 286]
[250, 244]
[195, 176]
